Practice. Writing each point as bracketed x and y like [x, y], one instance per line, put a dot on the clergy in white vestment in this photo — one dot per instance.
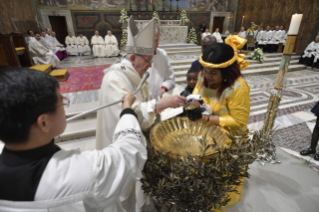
[218, 36]
[309, 54]
[29, 37]
[40, 54]
[47, 44]
[37, 175]
[98, 45]
[83, 45]
[162, 77]
[205, 34]
[71, 46]
[125, 77]
[242, 32]
[111, 45]
[57, 44]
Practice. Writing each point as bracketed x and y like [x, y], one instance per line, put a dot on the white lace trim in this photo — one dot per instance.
[128, 131]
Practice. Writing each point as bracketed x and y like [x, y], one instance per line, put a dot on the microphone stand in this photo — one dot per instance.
[145, 76]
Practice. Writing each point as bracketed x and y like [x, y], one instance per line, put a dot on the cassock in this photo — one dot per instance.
[204, 35]
[42, 55]
[218, 37]
[119, 79]
[50, 179]
[111, 46]
[242, 34]
[161, 74]
[98, 50]
[83, 45]
[309, 54]
[71, 46]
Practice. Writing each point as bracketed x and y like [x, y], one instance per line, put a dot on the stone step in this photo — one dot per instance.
[182, 49]
[185, 52]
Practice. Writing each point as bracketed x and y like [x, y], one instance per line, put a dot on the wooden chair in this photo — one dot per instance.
[19, 42]
[8, 54]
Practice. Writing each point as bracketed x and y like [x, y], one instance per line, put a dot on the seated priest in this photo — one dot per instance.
[98, 45]
[46, 42]
[258, 34]
[71, 46]
[309, 54]
[205, 34]
[36, 174]
[29, 37]
[124, 77]
[218, 36]
[83, 45]
[275, 39]
[264, 38]
[111, 45]
[40, 54]
[57, 44]
[242, 32]
[315, 63]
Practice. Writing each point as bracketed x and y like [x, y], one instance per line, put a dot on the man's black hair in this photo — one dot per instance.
[29, 31]
[25, 94]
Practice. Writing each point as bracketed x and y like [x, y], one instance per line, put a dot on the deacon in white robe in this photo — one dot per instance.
[71, 46]
[111, 45]
[83, 45]
[218, 36]
[205, 34]
[98, 45]
[40, 54]
[242, 32]
[309, 54]
[29, 37]
[162, 77]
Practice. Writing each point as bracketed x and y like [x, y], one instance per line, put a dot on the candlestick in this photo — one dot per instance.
[295, 24]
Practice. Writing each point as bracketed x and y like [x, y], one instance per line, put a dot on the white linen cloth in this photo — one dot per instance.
[313, 46]
[242, 34]
[71, 46]
[161, 74]
[98, 46]
[83, 45]
[111, 46]
[204, 35]
[42, 55]
[89, 181]
[218, 37]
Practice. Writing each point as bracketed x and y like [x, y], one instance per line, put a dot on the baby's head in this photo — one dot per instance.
[192, 77]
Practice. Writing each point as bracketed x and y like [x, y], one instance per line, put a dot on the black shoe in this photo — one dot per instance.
[308, 151]
[316, 157]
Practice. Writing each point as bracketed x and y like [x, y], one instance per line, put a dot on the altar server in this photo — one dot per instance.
[98, 45]
[309, 54]
[71, 46]
[218, 36]
[111, 45]
[205, 34]
[242, 32]
[40, 54]
[124, 77]
[162, 77]
[36, 175]
[57, 44]
[83, 45]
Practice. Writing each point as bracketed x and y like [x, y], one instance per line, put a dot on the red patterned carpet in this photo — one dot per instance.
[83, 79]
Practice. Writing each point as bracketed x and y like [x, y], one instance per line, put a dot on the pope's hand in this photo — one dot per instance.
[129, 99]
[170, 102]
[162, 92]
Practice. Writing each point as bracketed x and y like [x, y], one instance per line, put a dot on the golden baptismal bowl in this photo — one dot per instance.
[180, 136]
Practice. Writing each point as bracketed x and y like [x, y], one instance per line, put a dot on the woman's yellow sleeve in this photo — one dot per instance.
[238, 104]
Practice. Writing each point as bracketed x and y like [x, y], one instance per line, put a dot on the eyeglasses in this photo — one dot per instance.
[65, 101]
[148, 61]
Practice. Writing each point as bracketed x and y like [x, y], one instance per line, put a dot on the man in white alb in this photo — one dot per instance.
[111, 45]
[29, 37]
[57, 44]
[162, 77]
[83, 45]
[217, 35]
[47, 44]
[242, 32]
[124, 77]
[205, 34]
[98, 45]
[40, 54]
[71, 46]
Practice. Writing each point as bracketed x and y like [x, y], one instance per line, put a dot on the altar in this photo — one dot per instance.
[171, 32]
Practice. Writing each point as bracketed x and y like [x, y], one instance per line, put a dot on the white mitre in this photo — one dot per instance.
[140, 41]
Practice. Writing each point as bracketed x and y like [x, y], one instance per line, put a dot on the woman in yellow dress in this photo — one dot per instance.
[224, 89]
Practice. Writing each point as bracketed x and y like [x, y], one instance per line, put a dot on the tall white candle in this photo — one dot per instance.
[295, 24]
[242, 21]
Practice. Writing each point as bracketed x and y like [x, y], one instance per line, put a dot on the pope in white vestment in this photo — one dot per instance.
[83, 45]
[71, 46]
[40, 54]
[111, 45]
[205, 34]
[217, 35]
[98, 45]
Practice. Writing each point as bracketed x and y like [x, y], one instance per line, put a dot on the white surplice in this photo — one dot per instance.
[111, 46]
[89, 181]
[242, 34]
[161, 74]
[40, 54]
[28, 39]
[83, 45]
[71, 46]
[98, 50]
[117, 81]
[313, 46]
[204, 35]
[57, 44]
[260, 35]
[218, 37]
[50, 44]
